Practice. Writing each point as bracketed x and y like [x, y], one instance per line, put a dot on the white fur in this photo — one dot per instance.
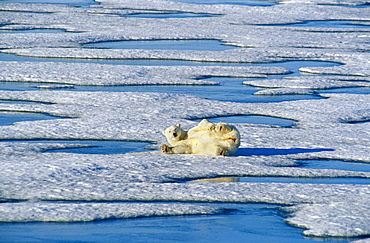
[174, 134]
[206, 138]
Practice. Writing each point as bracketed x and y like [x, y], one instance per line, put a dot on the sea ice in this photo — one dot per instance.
[311, 82]
[102, 74]
[75, 212]
[141, 116]
[29, 174]
[285, 91]
[110, 186]
[97, 27]
[332, 219]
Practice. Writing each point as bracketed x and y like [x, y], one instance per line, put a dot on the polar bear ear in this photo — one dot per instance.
[178, 125]
[163, 132]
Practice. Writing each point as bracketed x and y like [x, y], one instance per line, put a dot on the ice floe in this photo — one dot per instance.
[354, 65]
[311, 82]
[75, 212]
[102, 74]
[331, 219]
[99, 27]
[141, 116]
[285, 91]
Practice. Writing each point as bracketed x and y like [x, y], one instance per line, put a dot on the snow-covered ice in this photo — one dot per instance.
[67, 212]
[284, 91]
[340, 214]
[37, 185]
[104, 177]
[311, 82]
[102, 74]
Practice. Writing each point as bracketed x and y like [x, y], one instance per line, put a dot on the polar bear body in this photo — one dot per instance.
[175, 133]
[206, 138]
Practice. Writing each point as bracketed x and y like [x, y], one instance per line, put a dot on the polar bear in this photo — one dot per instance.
[175, 133]
[204, 125]
[206, 138]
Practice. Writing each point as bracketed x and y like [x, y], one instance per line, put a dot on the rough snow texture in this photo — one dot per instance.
[337, 127]
[103, 74]
[29, 173]
[331, 219]
[311, 82]
[67, 212]
[285, 91]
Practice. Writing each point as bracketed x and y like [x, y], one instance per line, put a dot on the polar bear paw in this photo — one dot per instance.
[221, 152]
[206, 125]
[166, 149]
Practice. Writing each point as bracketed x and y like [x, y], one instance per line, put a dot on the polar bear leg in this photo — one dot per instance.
[178, 149]
[221, 152]
[204, 125]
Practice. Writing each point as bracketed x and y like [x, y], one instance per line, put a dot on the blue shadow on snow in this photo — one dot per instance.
[273, 151]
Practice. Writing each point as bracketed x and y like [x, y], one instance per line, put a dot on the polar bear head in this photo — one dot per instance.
[174, 134]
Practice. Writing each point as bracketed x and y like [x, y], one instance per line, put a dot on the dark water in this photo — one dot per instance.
[199, 45]
[244, 223]
[92, 146]
[169, 15]
[261, 3]
[31, 31]
[229, 88]
[336, 164]
[284, 179]
[328, 24]
[252, 119]
[77, 3]
[305, 180]
[309, 164]
[359, 90]
[8, 118]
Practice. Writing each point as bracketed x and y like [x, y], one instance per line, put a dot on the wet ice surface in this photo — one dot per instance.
[332, 24]
[78, 3]
[90, 146]
[334, 164]
[112, 96]
[236, 2]
[32, 31]
[267, 120]
[9, 118]
[223, 228]
[166, 14]
[213, 45]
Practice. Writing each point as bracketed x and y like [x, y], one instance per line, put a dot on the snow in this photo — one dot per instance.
[284, 91]
[67, 212]
[362, 240]
[340, 215]
[104, 74]
[99, 26]
[28, 173]
[37, 185]
[310, 82]
[238, 55]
